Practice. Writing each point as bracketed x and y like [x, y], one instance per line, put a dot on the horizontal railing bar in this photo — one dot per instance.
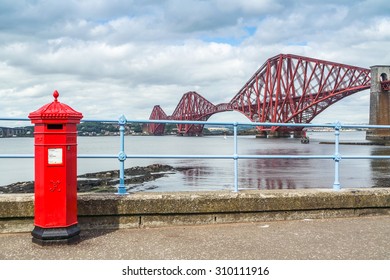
[101, 120]
[181, 156]
[231, 123]
[16, 156]
[96, 156]
[86, 156]
[285, 157]
[364, 157]
[235, 156]
[14, 119]
[266, 124]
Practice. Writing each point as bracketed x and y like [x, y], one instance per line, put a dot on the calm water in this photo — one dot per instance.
[219, 174]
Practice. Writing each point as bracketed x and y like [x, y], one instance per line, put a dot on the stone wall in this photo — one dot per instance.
[110, 211]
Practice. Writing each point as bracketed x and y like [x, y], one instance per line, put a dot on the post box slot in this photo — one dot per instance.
[54, 126]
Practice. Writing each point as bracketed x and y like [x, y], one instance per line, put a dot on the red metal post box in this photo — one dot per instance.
[55, 141]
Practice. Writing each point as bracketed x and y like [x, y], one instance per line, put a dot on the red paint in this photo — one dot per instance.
[285, 89]
[55, 140]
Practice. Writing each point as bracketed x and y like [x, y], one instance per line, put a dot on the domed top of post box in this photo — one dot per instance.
[55, 111]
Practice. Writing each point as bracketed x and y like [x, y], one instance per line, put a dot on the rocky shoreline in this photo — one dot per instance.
[106, 181]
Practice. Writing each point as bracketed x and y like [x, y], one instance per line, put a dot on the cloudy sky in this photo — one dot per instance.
[108, 57]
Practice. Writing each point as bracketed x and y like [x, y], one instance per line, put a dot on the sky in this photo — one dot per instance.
[113, 57]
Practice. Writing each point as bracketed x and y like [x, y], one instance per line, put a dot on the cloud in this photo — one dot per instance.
[112, 57]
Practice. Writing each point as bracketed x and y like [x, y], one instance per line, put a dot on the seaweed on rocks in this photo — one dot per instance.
[105, 181]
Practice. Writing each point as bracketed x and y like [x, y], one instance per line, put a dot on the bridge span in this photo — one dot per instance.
[287, 88]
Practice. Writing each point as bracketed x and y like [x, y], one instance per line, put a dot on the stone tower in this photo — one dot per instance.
[379, 104]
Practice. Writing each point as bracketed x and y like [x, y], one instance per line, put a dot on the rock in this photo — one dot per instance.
[105, 181]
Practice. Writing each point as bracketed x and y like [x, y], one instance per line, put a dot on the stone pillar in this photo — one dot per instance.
[261, 134]
[279, 134]
[299, 134]
[379, 104]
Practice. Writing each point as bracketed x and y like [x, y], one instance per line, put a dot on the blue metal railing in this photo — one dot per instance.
[122, 156]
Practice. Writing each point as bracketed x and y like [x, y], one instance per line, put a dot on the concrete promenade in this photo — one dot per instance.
[151, 210]
[356, 238]
[259, 224]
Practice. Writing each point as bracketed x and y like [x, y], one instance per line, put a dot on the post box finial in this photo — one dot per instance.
[55, 95]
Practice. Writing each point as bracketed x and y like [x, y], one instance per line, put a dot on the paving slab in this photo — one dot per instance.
[359, 238]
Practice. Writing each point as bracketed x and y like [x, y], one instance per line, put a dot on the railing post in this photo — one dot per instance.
[235, 157]
[122, 156]
[337, 156]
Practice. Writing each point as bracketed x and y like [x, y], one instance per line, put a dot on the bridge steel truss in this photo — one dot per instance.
[285, 89]
[157, 114]
[193, 106]
[295, 89]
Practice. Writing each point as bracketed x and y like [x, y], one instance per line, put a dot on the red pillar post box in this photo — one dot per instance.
[55, 141]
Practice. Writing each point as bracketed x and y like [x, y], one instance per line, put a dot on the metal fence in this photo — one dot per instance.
[122, 156]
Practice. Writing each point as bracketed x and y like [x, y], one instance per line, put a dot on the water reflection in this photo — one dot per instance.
[284, 174]
[206, 174]
[264, 173]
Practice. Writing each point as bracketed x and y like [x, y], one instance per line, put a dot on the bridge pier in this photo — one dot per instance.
[299, 134]
[261, 134]
[379, 104]
[279, 134]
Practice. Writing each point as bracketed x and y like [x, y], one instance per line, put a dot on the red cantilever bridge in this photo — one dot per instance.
[285, 89]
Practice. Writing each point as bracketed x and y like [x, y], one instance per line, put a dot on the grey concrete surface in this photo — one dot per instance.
[139, 210]
[358, 238]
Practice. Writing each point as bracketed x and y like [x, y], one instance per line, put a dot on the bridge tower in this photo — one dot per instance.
[379, 103]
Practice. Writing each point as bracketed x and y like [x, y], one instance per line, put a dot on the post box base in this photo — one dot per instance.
[56, 236]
